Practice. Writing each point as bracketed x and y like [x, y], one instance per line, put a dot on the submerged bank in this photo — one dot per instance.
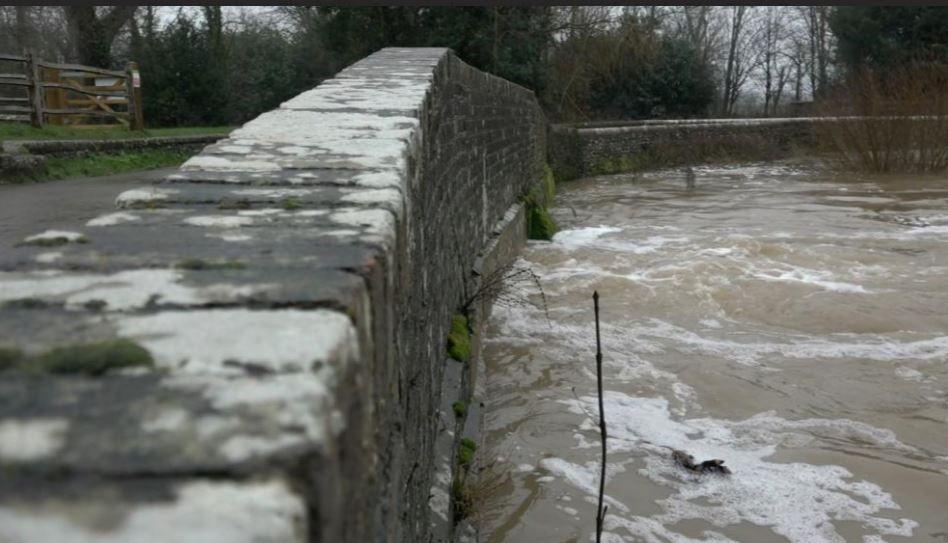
[789, 321]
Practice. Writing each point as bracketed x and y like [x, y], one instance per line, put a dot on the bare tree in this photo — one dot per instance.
[41, 29]
[734, 36]
[816, 20]
[94, 31]
[700, 26]
[742, 57]
[774, 61]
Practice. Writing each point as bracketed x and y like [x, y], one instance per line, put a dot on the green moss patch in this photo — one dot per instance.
[25, 303]
[466, 452]
[230, 203]
[622, 164]
[93, 358]
[549, 183]
[540, 224]
[201, 264]
[459, 339]
[291, 203]
[460, 409]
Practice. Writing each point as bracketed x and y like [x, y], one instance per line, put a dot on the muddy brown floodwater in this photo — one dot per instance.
[787, 320]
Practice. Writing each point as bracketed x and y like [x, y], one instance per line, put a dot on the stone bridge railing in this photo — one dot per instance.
[253, 349]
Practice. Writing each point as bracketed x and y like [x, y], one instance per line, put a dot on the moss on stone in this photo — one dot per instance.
[94, 358]
[201, 264]
[459, 500]
[25, 303]
[622, 164]
[466, 452]
[459, 339]
[95, 305]
[291, 203]
[9, 357]
[540, 224]
[460, 409]
[549, 183]
[230, 203]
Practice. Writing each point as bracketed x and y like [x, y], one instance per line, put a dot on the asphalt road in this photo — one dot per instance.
[31, 208]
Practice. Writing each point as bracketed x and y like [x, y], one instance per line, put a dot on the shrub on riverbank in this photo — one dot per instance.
[896, 121]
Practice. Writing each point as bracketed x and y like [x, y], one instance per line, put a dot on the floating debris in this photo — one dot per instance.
[688, 462]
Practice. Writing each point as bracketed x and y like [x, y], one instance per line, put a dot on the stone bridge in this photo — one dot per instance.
[254, 349]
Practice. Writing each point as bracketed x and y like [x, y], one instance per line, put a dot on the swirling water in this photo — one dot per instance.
[790, 321]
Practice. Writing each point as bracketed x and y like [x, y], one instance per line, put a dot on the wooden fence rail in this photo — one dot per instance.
[58, 93]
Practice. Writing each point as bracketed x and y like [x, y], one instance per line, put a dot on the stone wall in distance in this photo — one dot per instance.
[578, 150]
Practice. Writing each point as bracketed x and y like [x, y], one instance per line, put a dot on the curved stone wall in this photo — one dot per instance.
[583, 149]
[291, 289]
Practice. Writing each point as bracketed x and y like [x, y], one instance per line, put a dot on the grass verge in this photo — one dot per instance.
[22, 131]
[104, 164]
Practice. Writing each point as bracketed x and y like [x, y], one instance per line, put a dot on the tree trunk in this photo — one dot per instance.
[215, 31]
[95, 34]
[728, 99]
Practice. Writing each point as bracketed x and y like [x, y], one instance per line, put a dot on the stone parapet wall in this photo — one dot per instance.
[578, 150]
[253, 348]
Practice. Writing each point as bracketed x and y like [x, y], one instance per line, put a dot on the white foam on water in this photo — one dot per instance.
[810, 277]
[585, 478]
[596, 237]
[583, 236]
[909, 374]
[796, 500]
[526, 325]
[872, 347]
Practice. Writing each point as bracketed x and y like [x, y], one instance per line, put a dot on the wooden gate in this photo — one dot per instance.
[69, 94]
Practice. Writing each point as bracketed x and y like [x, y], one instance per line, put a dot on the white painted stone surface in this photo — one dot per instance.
[282, 340]
[31, 439]
[202, 512]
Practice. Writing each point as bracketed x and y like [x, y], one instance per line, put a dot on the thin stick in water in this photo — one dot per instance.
[600, 510]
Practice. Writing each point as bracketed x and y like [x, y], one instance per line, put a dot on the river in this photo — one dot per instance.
[790, 321]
